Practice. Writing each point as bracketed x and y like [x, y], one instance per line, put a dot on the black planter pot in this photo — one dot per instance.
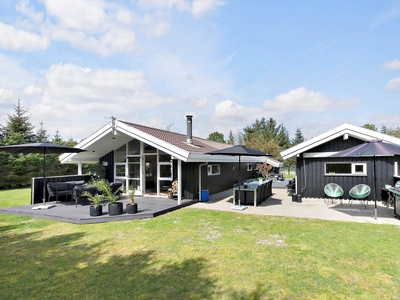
[115, 208]
[96, 211]
[131, 208]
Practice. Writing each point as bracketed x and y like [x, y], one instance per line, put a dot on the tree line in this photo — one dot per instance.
[17, 170]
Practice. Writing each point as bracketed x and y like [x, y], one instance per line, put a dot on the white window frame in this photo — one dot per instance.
[396, 166]
[210, 170]
[353, 169]
[249, 167]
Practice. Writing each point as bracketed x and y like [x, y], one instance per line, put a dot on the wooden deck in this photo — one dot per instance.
[65, 211]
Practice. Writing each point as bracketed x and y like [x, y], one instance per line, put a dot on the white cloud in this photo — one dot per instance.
[17, 39]
[201, 7]
[393, 84]
[392, 65]
[89, 16]
[303, 100]
[231, 113]
[28, 10]
[197, 8]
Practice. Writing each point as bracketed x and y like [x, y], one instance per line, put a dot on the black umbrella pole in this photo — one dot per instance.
[44, 176]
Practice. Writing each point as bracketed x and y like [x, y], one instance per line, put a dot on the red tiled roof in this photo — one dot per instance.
[179, 140]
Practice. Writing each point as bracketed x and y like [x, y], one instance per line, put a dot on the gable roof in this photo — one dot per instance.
[109, 138]
[343, 130]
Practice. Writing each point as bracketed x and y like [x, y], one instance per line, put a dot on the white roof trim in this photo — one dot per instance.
[153, 141]
[343, 130]
[318, 154]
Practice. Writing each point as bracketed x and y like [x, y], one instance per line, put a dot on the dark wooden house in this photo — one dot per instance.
[152, 159]
[315, 168]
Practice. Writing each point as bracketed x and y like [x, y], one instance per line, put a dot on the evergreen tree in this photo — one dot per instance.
[18, 129]
[298, 137]
[231, 138]
[41, 134]
[370, 126]
[384, 129]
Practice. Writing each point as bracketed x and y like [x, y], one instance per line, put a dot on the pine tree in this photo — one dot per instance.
[231, 138]
[298, 137]
[19, 129]
[41, 134]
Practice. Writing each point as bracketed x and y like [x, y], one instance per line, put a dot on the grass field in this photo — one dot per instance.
[196, 254]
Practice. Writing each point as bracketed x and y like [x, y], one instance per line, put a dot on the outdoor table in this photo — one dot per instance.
[252, 192]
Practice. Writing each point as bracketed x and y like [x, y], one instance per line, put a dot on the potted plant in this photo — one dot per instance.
[114, 207]
[96, 209]
[132, 207]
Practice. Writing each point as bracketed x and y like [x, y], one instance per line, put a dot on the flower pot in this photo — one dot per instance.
[131, 208]
[96, 211]
[115, 208]
[170, 195]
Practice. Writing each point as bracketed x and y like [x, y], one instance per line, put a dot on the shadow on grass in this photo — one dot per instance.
[63, 267]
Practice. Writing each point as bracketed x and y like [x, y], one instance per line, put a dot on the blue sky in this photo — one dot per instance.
[308, 64]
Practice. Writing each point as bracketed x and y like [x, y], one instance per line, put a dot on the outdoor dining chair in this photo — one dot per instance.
[333, 191]
[360, 192]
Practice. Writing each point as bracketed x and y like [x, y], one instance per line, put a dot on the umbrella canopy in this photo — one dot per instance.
[42, 147]
[238, 150]
[371, 148]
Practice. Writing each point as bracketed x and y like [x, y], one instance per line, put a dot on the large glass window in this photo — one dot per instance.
[346, 169]
[134, 147]
[165, 170]
[120, 154]
[149, 149]
[120, 170]
[164, 157]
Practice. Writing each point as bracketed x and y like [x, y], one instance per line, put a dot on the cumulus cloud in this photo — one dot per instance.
[201, 7]
[303, 100]
[17, 39]
[197, 8]
[392, 65]
[28, 10]
[89, 16]
[82, 89]
[393, 84]
[229, 112]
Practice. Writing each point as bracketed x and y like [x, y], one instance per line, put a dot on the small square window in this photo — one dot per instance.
[213, 170]
[249, 167]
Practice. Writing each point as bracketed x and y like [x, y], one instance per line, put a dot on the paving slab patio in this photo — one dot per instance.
[281, 204]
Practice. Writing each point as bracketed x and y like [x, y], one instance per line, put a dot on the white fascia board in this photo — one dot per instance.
[68, 157]
[318, 154]
[153, 141]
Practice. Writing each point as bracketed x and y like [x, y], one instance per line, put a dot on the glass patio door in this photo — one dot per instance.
[134, 167]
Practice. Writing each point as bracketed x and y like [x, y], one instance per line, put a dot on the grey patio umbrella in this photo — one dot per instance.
[238, 150]
[371, 148]
[45, 148]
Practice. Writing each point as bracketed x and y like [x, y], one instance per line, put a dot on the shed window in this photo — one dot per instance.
[213, 170]
[397, 169]
[346, 169]
[249, 167]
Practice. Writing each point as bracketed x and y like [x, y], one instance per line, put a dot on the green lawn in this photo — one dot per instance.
[196, 254]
